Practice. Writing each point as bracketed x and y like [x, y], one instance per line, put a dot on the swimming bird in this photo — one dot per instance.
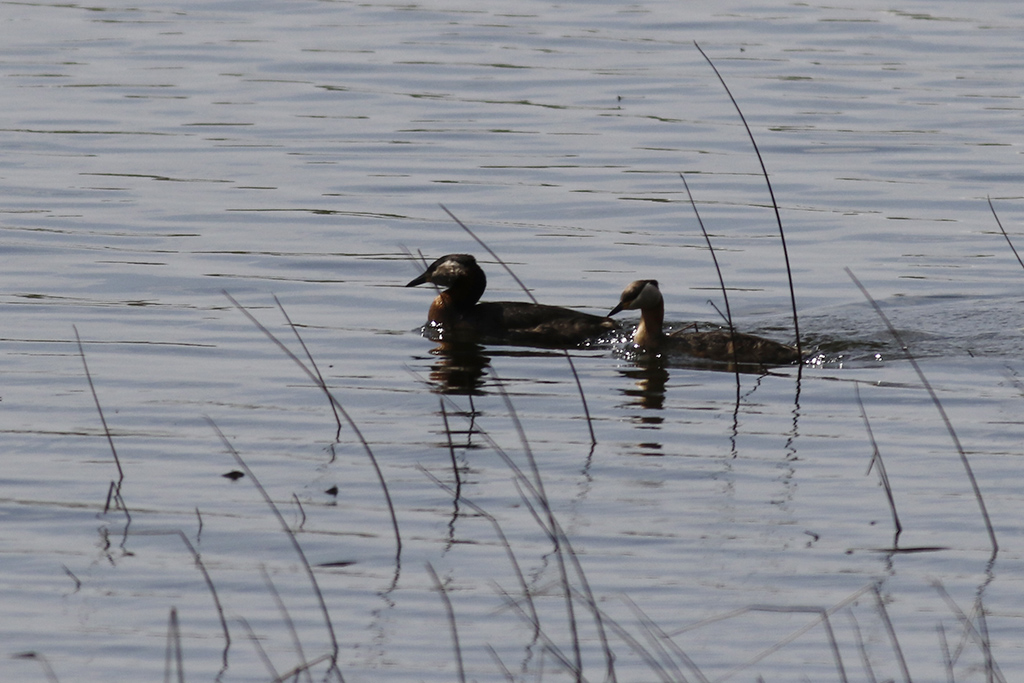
[458, 314]
[717, 344]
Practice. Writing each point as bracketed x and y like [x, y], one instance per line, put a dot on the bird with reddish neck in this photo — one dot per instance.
[457, 314]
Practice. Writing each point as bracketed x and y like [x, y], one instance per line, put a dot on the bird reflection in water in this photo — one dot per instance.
[459, 368]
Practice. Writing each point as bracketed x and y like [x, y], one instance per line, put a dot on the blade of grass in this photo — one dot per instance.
[938, 406]
[291, 537]
[771, 193]
[1003, 230]
[568, 358]
[337, 404]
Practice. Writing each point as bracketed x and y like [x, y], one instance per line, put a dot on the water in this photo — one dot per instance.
[156, 155]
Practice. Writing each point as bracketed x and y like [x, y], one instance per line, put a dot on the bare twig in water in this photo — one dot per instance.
[568, 358]
[337, 404]
[291, 537]
[876, 458]
[450, 612]
[771, 192]
[1003, 230]
[938, 406]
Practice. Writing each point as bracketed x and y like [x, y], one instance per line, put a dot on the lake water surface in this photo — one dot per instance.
[156, 156]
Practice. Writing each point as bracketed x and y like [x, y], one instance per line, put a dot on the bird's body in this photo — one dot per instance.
[458, 314]
[724, 345]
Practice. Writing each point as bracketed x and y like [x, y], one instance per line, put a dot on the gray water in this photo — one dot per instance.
[158, 155]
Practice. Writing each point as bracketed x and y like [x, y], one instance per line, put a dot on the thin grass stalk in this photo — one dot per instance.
[173, 651]
[725, 294]
[334, 401]
[656, 643]
[876, 457]
[869, 671]
[946, 659]
[549, 647]
[450, 612]
[986, 643]
[260, 651]
[542, 499]
[938, 406]
[293, 673]
[823, 618]
[638, 648]
[565, 352]
[771, 192]
[555, 534]
[711, 249]
[1003, 230]
[664, 640]
[561, 539]
[520, 577]
[99, 409]
[288, 622]
[207, 579]
[321, 382]
[897, 650]
[506, 674]
[781, 643]
[291, 537]
[972, 632]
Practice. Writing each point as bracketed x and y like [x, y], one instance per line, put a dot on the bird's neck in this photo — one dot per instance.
[649, 334]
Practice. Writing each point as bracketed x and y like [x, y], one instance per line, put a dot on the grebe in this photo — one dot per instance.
[460, 315]
[718, 344]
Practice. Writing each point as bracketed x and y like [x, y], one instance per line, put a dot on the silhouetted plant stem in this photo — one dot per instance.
[938, 406]
[291, 537]
[876, 458]
[99, 409]
[340, 408]
[721, 283]
[1003, 230]
[450, 612]
[174, 649]
[771, 192]
[289, 623]
[897, 650]
[320, 378]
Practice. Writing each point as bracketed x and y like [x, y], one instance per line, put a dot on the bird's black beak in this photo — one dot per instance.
[616, 309]
[420, 280]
